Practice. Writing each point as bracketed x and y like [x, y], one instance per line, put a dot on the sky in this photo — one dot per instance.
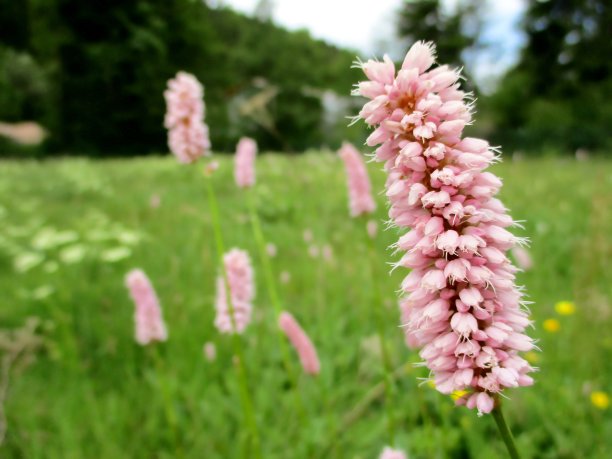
[367, 25]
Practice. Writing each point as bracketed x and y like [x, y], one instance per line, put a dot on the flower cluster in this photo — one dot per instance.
[187, 133]
[360, 195]
[461, 304]
[242, 289]
[244, 162]
[301, 342]
[390, 453]
[148, 320]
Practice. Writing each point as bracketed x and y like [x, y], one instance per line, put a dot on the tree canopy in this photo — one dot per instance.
[557, 96]
[93, 73]
[105, 70]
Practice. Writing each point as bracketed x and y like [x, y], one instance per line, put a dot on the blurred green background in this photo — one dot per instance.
[81, 387]
[77, 212]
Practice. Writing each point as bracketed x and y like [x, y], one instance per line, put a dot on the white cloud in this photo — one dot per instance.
[368, 26]
[357, 24]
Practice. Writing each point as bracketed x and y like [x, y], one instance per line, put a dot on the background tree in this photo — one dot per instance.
[455, 31]
[557, 96]
[106, 69]
[14, 24]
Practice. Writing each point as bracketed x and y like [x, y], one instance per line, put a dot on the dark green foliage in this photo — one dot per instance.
[558, 94]
[453, 33]
[23, 85]
[106, 65]
[14, 23]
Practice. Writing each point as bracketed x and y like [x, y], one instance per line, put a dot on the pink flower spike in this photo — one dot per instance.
[211, 167]
[210, 351]
[420, 56]
[372, 228]
[484, 403]
[187, 133]
[460, 303]
[237, 265]
[149, 323]
[308, 235]
[301, 342]
[360, 194]
[285, 277]
[155, 201]
[522, 257]
[271, 249]
[390, 453]
[244, 162]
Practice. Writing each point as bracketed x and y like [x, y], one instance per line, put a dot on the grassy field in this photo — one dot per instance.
[81, 388]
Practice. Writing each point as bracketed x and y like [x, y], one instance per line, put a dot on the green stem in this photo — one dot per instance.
[504, 430]
[247, 404]
[166, 395]
[274, 298]
[358, 411]
[378, 318]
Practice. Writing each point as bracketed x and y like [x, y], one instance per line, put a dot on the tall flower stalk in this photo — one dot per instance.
[361, 205]
[149, 329]
[237, 265]
[188, 140]
[187, 132]
[301, 342]
[461, 305]
[149, 325]
[504, 430]
[247, 403]
[389, 453]
[244, 174]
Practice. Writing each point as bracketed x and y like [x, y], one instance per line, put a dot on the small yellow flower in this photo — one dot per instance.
[532, 357]
[565, 308]
[431, 384]
[552, 325]
[600, 400]
[457, 394]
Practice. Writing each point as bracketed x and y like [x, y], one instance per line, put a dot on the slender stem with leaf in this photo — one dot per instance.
[247, 403]
[377, 303]
[359, 410]
[504, 430]
[167, 397]
[274, 297]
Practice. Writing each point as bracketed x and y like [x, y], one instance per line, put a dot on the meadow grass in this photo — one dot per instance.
[72, 228]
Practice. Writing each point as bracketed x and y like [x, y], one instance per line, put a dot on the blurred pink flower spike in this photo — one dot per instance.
[237, 265]
[522, 257]
[285, 277]
[210, 351]
[187, 134]
[155, 201]
[461, 304]
[390, 453]
[148, 320]
[372, 228]
[359, 188]
[244, 162]
[308, 235]
[301, 342]
[210, 168]
[271, 250]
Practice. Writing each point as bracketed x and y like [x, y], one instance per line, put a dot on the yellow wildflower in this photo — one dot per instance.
[565, 308]
[600, 400]
[457, 394]
[552, 325]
